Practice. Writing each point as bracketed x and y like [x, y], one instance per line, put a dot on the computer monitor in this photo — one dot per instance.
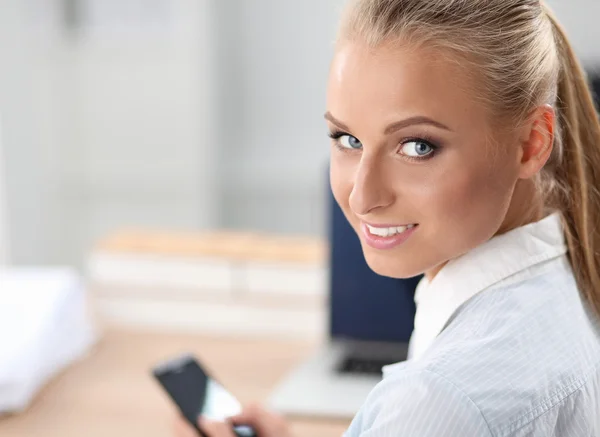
[364, 305]
[370, 324]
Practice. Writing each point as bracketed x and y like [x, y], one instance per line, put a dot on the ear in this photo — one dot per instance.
[537, 141]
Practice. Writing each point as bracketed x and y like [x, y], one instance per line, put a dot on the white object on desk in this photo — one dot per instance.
[317, 389]
[44, 327]
[281, 277]
[137, 271]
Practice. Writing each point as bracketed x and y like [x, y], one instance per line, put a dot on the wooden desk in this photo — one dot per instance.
[111, 394]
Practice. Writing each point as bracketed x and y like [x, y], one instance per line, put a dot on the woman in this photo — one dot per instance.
[466, 147]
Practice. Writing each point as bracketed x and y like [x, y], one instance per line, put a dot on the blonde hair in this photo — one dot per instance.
[522, 57]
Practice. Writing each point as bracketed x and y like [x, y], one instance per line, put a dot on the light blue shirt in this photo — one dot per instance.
[519, 356]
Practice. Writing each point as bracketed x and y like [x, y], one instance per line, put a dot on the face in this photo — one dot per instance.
[412, 164]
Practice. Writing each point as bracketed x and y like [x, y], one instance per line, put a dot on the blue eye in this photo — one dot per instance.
[417, 149]
[345, 141]
[350, 142]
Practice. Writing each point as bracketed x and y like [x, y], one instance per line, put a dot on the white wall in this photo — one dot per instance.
[4, 243]
[108, 127]
[580, 18]
[142, 103]
[27, 139]
[274, 56]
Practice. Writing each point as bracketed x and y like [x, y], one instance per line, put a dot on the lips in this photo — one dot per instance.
[387, 237]
[388, 231]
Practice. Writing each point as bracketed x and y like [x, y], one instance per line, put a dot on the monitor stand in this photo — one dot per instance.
[335, 382]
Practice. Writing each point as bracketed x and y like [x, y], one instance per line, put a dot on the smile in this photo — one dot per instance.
[388, 231]
[387, 237]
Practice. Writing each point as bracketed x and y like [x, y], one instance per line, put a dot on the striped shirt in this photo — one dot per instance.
[503, 346]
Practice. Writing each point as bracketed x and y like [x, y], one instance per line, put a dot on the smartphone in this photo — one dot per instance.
[197, 394]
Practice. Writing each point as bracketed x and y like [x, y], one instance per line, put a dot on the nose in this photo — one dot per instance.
[372, 189]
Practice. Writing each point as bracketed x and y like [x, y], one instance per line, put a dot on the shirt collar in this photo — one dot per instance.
[496, 260]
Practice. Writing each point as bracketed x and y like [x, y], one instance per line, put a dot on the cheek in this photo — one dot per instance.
[465, 208]
[342, 182]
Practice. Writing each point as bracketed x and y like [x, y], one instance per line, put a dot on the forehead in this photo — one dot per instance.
[385, 83]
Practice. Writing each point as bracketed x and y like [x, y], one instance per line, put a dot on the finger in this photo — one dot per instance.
[215, 429]
[182, 428]
[250, 415]
[264, 422]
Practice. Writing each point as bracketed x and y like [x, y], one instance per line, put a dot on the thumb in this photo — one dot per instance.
[250, 415]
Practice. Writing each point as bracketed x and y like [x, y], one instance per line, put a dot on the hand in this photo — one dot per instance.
[265, 423]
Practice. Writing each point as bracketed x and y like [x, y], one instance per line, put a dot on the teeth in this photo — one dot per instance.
[387, 232]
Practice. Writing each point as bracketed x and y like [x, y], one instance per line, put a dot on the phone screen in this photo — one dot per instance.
[197, 394]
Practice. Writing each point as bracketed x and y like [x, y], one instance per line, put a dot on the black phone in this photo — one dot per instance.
[197, 394]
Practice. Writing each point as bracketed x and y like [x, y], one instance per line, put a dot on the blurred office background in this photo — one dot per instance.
[178, 114]
[177, 117]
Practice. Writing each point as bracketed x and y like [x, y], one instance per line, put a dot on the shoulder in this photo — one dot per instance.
[527, 314]
[505, 361]
[420, 403]
[510, 350]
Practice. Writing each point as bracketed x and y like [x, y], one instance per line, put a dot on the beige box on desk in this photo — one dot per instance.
[219, 282]
[290, 265]
[162, 260]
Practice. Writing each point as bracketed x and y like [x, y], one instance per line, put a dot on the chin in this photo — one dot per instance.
[398, 267]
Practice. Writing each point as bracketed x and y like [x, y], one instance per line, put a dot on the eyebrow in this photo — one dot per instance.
[396, 126]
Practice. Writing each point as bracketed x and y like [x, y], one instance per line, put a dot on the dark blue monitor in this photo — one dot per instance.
[364, 305]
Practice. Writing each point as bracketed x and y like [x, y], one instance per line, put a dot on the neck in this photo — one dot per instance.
[527, 206]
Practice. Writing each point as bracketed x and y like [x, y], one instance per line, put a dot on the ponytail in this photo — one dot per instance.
[577, 173]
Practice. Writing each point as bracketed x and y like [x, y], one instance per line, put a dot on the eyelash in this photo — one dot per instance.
[336, 135]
